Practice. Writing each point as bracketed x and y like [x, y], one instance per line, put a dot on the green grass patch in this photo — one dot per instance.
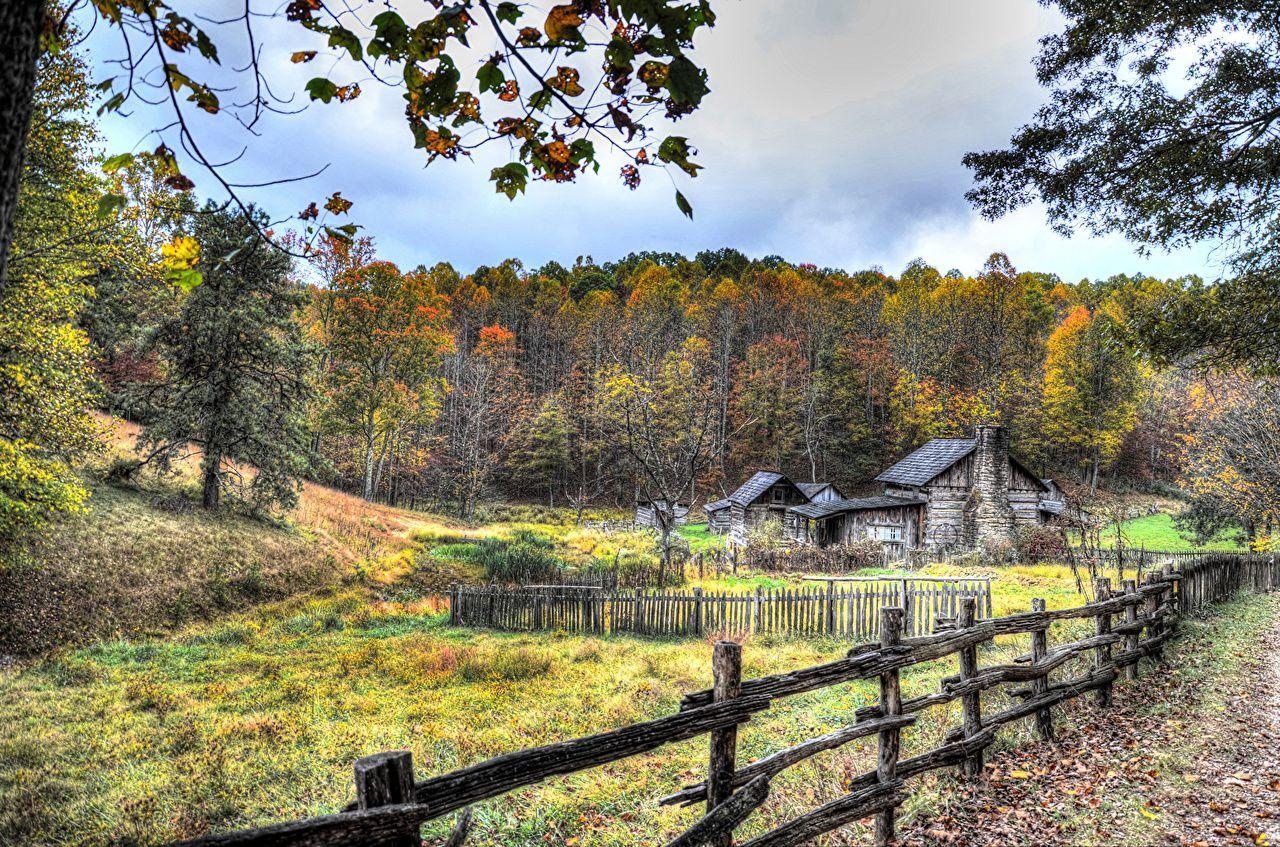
[1157, 532]
[701, 539]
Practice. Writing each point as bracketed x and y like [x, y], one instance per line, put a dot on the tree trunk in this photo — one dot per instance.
[370, 436]
[21, 22]
[212, 490]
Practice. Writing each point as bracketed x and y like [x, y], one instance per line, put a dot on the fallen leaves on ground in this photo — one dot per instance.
[1104, 778]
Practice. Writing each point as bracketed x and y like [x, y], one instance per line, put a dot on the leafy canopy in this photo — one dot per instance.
[1163, 125]
[549, 83]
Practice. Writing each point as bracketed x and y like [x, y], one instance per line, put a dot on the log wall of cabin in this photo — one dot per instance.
[718, 521]
[1025, 493]
[644, 515]
[855, 526]
[948, 495]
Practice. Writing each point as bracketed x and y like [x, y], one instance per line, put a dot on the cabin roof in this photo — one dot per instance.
[760, 482]
[715, 505]
[813, 489]
[928, 460]
[934, 457]
[827, 508]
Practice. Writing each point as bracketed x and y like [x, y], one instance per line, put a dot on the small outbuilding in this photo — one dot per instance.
[648, 513]
[766, 496]
[717, 516]
[893, 521]
[820, 492]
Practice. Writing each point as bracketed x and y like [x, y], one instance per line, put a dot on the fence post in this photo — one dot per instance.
[907, 621]
[697, 611]
[386, 779]
[1131, 633]
[726, 667]
[1039, 685]
[890, 704]
[1168, 597]
[971, 703]
[757, 610]
[831, 607]
[1102, 626]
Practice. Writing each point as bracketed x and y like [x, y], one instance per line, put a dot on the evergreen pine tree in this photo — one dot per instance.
[235, 384]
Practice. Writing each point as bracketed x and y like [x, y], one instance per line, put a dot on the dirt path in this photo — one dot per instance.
[1237, 796]
[1190, 758]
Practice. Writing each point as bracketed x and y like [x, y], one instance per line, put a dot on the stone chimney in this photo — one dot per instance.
[988, 514]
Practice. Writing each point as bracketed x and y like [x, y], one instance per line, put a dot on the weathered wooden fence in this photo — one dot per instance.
[849, 611]
[614, 525]
[1128, 626]
[1141, 559]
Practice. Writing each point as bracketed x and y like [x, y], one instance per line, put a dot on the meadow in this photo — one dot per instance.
[258, 716]
[1158, 532]
[233, 670]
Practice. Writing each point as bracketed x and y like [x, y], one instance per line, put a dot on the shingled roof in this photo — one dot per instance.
[928, 461]
[827, 508]
[715, 506]
[750, 490]
[812, 489]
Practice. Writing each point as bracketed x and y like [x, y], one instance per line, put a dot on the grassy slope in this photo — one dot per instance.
[1157, 532]
[146, 560]
[269, 707]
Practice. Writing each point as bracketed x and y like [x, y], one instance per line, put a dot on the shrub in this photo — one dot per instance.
[526, 558]
[1035, 544]
[767, 535]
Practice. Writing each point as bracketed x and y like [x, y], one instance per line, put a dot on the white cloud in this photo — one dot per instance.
[833, 135]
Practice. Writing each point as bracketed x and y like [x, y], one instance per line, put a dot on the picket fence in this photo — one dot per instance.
[1136, 623]
[851, 610]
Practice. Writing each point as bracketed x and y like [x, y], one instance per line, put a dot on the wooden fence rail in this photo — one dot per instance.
[849, 610]
[1132, 624]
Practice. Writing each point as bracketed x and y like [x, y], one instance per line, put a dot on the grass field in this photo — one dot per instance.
[258, 717]
[1157, 532]
[246, 665]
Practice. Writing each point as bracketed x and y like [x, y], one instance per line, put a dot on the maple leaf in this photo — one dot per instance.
[337, 204]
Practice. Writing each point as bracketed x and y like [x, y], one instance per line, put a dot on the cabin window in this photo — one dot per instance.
[885, 532]
[778, 495]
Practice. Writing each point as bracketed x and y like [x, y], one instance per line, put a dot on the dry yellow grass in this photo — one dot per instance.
[146, 559]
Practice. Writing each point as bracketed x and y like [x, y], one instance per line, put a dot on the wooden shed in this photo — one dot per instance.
[819, 492]
[647, 513]
[717, 516]
[766, 496]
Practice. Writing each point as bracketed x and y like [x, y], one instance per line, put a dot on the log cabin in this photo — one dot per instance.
[950, 492]
[766, 495]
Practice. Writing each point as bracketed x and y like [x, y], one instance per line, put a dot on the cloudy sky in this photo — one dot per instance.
[833, 135]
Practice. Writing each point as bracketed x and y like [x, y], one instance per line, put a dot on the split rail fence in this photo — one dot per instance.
[1135, 623]
[842, 609]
